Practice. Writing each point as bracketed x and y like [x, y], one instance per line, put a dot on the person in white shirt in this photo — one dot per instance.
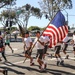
[73, 42]
[65, 45]
[46, 42]
[40, 50]
[27, 47]
[57, 54]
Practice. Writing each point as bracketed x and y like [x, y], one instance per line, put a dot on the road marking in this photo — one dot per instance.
[73, 72]
[49, 59]
[15, 63]
[73, 58]
[52, 59]
[15, 49]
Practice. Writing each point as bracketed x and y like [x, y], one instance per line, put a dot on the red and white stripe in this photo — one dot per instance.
[56, 34]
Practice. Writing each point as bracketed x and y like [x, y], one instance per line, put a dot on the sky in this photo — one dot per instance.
[33, 21]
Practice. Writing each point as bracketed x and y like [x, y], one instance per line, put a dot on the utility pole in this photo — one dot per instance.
[66, 16]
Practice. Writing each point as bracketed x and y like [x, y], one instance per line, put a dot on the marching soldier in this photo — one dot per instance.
[7, 42]
[40, 50]
[73, 42]
[57, 54]
[46, 42]
[65, 45]
[27, 47]
[2, 48]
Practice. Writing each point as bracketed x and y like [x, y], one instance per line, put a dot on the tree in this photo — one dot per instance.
[6, 2]
[31, 28]
[21, 15]
[43, 28]
[4, 17]
[27, 11]
[50, 7]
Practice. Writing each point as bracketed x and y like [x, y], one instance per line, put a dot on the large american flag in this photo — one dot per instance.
[56, 29]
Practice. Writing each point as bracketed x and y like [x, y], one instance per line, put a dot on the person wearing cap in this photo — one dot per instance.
[27, 47]
[40, 50]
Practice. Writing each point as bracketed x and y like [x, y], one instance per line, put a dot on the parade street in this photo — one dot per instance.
[37, 37]
[15, 66]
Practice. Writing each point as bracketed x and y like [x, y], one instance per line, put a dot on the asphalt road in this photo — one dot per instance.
[16, 66]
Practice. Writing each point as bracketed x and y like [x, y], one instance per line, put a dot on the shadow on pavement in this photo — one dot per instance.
[51, 71]
[58, 72]
[23, 67]
[13, 70]
[15, 55]
[69, 66]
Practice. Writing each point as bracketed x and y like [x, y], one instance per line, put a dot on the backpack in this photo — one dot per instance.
[1, 42]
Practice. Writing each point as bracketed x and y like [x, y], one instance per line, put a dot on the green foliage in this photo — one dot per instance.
[43, 28]
[6, 2]
[21, 15]
[13, 28]
[25, 12]
[31, 10]
[7, 13]
[33, 28]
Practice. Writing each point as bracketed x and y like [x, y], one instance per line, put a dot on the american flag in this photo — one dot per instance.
[56, 29]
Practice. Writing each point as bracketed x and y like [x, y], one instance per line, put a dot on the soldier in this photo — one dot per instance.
[46, 42]
[57, 54]
[40, 50]
[65, 45]
[2, 48]
[27, 47]
[7, 41]
[73, 42]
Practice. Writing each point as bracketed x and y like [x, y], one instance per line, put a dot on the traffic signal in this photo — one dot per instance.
[46, 16]
[27, 7]
[8, 28]
[10, 23]
[6, 23]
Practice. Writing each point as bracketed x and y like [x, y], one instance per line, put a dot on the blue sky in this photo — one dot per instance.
[33, 21]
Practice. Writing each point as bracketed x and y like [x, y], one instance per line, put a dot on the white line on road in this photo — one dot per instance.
[49, 59]
[15, 49]
[73, 58]
[73, 72]
[15, 63]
